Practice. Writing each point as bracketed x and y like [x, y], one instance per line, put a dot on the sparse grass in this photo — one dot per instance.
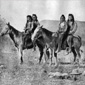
[31, 73]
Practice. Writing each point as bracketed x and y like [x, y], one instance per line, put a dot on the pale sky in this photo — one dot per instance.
[15, 11]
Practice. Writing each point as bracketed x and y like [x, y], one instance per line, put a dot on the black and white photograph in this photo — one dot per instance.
[42, 42]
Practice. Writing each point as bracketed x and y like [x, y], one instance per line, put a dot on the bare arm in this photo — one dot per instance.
[62, 30]
[74, 29]
[38, 23]
[65, 27]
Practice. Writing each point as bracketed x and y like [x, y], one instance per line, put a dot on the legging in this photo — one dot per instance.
[64, 38]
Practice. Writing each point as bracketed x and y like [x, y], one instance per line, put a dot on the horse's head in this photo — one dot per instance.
[5, 30]
[37, 32]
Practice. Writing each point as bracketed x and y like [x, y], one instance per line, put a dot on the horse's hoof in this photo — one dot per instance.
[39, 63]
[21, 63]
[74, 63]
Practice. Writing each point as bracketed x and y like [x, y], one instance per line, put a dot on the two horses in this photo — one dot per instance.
[42, 38]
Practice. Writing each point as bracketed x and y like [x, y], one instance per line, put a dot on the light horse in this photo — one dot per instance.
[17, 38]
[51, 42]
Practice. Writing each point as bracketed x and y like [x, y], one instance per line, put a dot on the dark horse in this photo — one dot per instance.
[17, 38]
[51, 42]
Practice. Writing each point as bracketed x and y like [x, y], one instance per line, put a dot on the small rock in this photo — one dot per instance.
[55, 74]
[45, 71]
[76, 72]
[64, 74]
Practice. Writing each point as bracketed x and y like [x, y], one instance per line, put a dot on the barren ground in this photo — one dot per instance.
[32, 73]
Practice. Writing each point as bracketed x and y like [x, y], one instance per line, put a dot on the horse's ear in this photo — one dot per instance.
[8, 23]
[41, 26]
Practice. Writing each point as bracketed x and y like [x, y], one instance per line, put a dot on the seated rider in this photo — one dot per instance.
[29, 24]
[35, 22]
[35, 25]
[28, 28]
[62, 29]
[73, 28]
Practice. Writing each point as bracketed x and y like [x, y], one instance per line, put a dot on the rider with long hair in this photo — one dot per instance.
[28, 28]
[62, 29]
[73, 28]
[29, 24]
[35, 22]
[35, 25]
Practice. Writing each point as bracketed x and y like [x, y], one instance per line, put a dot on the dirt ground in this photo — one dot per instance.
[32, 73]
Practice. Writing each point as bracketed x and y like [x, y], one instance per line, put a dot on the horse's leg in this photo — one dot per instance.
[55, 55]
[77, 45]
[51, 55]
[41, 54]
[45, 55]
[69, 39]
[74, 52]
[48, 53]
[78, 53]
[57, 62]
[20, 54]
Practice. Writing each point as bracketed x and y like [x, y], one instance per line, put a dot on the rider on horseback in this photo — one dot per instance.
[32, 23]
[35, 25]
[35, 22]
[62, 29]
[29, 24]
[28, 28]
[73, 28]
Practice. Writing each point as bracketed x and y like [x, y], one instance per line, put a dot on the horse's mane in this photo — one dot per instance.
[47, 32]
[14, 30]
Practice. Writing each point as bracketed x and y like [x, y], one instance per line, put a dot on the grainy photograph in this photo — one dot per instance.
[42, 42]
